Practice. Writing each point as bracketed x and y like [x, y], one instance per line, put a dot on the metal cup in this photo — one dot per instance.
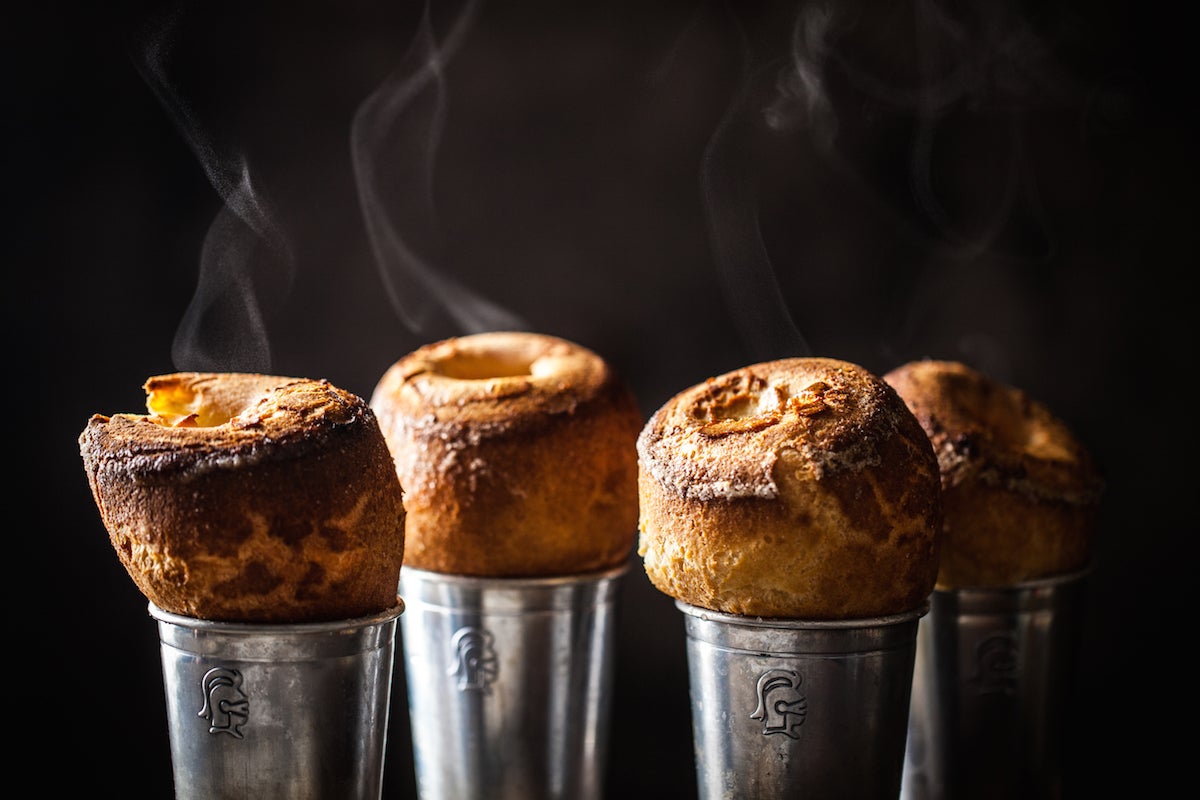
[267, 711]
[797, 708]
[990, 684]
[509, 683]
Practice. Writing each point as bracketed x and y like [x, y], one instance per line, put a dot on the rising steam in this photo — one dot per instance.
[394, 143]
[963, 84]
[923, 68]
[223, 328]
[981, 60]
[744, 266]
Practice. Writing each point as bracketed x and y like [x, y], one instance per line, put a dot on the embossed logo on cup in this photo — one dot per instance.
[226, 706]
[473, 660]
[781, 706]
[996, 659]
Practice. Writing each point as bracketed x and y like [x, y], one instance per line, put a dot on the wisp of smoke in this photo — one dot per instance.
[394, 141]
[223, 328]
[730, 201]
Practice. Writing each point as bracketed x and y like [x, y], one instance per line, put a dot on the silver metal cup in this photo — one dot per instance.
[796, 708]
[265, 711]
[990, 684]
[509, 683]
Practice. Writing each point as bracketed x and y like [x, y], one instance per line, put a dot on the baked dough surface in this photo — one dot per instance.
[517, 454]
[250, 498]
[1021, 492]
[796, 488]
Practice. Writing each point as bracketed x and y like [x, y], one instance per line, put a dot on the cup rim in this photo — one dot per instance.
[786, 623]
[1047, 582]
[255, 628]
[516, 582]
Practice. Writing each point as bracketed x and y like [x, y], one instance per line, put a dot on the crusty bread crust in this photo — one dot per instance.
[796, 488]
[250, 498]
[1021, 493]
[516, 451]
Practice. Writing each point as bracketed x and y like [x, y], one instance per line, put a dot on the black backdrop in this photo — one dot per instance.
[315, 189]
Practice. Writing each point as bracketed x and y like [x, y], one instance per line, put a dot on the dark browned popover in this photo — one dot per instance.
[1020, 491]
[250, 498]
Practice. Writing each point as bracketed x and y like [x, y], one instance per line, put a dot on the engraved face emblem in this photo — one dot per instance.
[473, 660]
[996, 661]
[781, 707]
[225, 704]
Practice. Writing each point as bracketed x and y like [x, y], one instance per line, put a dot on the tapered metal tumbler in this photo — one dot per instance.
[795, 708]
[991, 680]
[509, 683]
[275, 711]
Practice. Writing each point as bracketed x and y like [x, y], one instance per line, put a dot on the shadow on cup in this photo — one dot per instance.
[990, 686]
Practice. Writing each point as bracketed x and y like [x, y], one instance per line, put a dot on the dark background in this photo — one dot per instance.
[316, 188]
